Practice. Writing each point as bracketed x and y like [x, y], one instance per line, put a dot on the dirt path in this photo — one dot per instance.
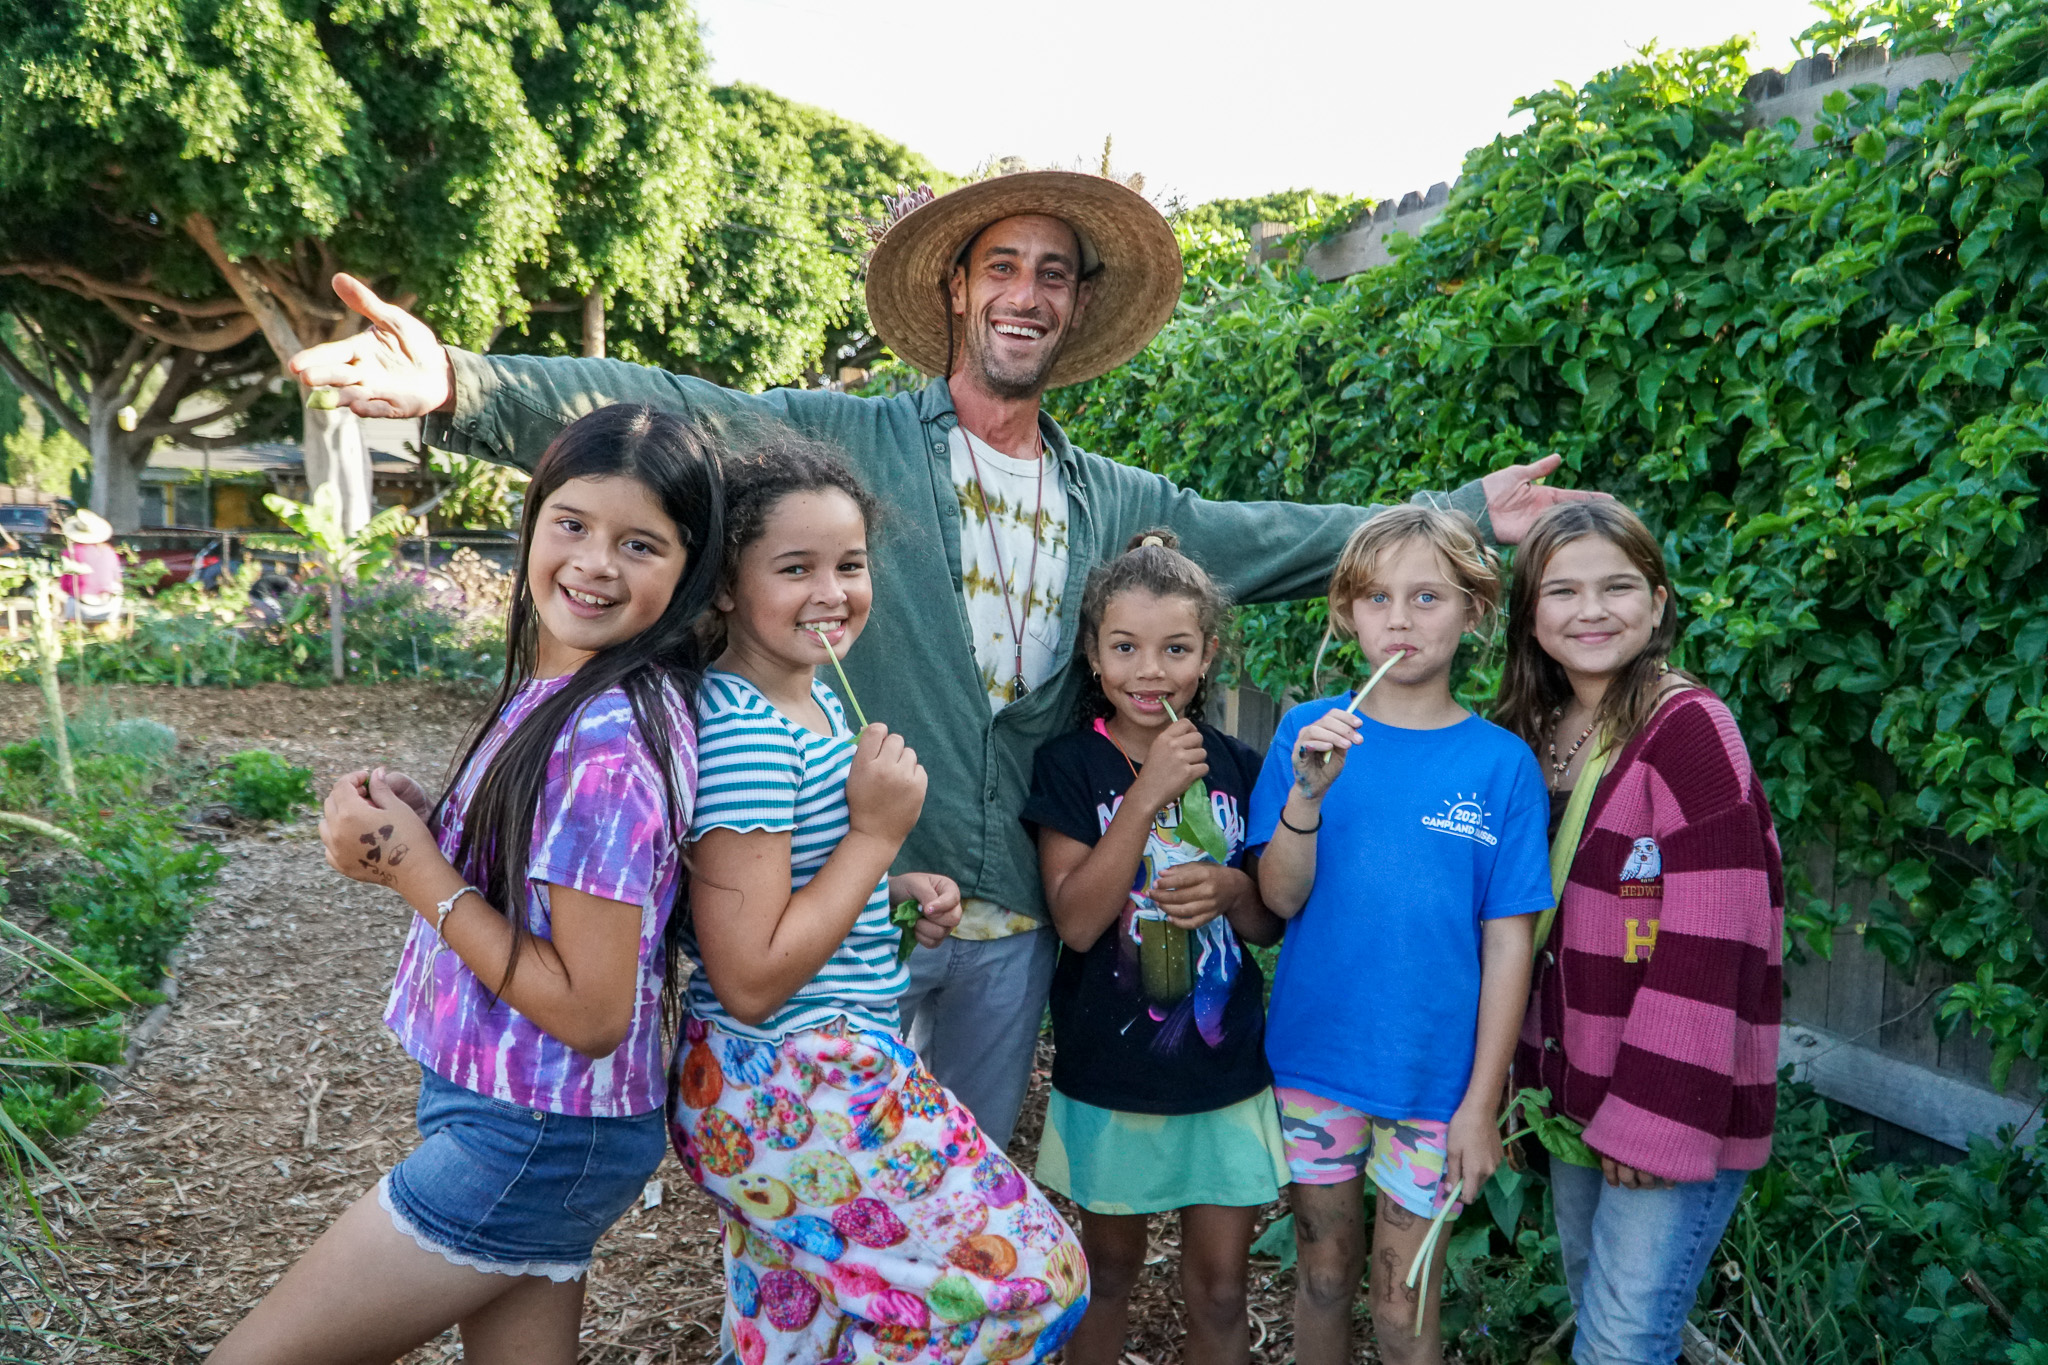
[274, 1097]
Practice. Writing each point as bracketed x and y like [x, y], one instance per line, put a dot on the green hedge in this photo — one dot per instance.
[1819, 375]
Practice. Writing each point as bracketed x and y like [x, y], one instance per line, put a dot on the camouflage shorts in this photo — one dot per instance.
[1329, 1142]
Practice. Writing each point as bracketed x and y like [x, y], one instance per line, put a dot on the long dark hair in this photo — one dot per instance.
[775, 463]
[678, 463]
[1151, 562]
[1534, 684]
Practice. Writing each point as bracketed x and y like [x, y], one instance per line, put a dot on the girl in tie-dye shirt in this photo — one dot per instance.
[533, 986]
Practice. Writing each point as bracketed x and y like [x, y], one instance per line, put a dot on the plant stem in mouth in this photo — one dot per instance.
[840, 669]
[1197, 819]
[1374, 681]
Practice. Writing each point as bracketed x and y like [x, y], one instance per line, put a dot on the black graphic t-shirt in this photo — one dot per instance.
[1152, 1019]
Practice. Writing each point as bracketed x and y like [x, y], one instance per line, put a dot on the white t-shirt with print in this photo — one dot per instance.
[1014, 493]
[1003, 536]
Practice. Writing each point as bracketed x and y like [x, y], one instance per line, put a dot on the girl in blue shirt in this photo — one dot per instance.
[1405, 846]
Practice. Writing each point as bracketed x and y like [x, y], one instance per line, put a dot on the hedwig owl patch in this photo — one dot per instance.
[1642, 876]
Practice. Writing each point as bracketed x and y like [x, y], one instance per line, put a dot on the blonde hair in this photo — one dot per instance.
[1474, 568]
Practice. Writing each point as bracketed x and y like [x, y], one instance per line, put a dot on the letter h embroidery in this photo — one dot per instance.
[1647, 943]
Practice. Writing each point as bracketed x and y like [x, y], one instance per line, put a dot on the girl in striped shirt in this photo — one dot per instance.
[866, 1215]
[1654, 1019]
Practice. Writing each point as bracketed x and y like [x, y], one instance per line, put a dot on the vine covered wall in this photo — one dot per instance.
[1818, 373]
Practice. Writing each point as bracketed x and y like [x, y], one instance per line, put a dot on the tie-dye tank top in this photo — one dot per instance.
[602, 828]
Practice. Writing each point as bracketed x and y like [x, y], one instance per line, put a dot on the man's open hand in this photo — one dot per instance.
[1514, 498]
[395, 368]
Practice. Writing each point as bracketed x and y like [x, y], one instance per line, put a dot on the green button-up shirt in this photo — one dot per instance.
[914, 664]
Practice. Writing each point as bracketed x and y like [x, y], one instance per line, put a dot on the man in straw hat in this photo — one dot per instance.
[1001, 289]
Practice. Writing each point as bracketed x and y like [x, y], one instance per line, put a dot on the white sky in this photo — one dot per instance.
[1372, 97]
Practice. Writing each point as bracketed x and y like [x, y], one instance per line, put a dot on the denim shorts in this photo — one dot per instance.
[517, 1191]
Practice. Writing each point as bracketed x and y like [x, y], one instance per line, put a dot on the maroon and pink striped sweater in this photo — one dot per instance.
[1654, 1013]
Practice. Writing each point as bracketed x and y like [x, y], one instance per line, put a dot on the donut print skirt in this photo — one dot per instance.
[866, 1218]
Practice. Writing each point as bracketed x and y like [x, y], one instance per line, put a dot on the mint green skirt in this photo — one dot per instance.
[1113, 1162]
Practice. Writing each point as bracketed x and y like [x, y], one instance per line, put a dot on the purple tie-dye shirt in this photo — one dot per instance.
[602, 828]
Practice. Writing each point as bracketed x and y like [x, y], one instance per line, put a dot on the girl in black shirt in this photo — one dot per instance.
[1161, 1095]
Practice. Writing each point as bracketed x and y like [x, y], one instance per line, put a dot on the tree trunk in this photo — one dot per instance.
[335, 453]
[116, 462]
[593, 324]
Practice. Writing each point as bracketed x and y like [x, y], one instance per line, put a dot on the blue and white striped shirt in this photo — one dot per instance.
[759, 770]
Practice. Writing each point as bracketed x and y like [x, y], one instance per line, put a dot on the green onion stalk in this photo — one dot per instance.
[1560, 1136]
[1366, 691]
[905, 913]
[1198, 816]
[1419, 1267]
[826, 640]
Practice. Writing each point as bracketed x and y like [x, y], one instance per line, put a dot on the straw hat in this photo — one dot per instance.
[1132, 297]
[86, 527]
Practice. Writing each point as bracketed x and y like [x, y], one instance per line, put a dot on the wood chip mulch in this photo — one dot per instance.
[274, 1097]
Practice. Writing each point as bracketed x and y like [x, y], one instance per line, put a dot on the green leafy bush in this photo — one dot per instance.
[399, 626]
[50, 1091]
[1821, 375]
[262, 786]
[1833, 1259]
[124, 906]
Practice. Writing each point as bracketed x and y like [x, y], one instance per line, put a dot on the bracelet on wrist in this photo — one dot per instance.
[1297, 828]
[445, 908]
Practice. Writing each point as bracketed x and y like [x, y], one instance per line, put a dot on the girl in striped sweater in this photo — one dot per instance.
[865, 1215]
[1654, 1016]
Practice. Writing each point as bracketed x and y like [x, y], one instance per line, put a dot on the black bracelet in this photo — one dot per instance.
[1297, 828]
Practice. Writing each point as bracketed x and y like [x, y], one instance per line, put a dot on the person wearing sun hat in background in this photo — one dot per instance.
[1000, 289]
[92, 591]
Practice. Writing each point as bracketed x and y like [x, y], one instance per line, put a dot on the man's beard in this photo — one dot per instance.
[1006, 382]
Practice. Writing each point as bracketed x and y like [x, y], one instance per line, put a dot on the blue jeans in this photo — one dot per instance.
[1633, 1259]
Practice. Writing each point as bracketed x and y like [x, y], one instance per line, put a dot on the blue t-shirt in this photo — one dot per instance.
[1425, 834]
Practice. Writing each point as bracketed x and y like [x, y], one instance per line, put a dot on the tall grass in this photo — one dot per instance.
[119, 885]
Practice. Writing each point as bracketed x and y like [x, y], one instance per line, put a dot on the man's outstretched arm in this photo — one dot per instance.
[505, 408]
[1278, 551]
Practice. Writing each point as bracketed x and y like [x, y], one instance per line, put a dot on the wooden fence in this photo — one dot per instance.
[1860, 1031]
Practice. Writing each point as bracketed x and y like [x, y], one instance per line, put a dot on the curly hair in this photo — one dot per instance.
[1151, 562]
[773, 463]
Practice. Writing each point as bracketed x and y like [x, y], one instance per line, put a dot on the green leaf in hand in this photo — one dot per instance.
[905, 915]
[1560, 1136]
[1198, 817]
